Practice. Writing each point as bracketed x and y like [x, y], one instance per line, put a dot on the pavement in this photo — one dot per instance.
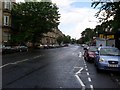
[58, 68]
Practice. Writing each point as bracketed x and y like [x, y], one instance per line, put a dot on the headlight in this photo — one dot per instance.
[101, 60]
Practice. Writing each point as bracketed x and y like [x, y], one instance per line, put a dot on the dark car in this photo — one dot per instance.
[21, 48]
[66, 45]
[6, 49]
[107, 58]
[89, 53]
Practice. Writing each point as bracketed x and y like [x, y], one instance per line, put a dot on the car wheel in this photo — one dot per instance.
[98, 70]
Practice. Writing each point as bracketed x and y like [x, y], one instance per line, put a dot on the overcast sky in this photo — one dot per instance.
[76, 16]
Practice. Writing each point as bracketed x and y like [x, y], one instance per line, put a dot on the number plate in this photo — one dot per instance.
[112, 65]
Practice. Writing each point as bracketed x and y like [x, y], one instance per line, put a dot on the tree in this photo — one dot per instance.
[73, 41]
[67, 39]
[31, 19]
[60, 40]
[88, 34]
[110, 9]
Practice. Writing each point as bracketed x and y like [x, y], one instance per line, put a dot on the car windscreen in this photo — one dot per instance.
[110, 51]
[93, 49]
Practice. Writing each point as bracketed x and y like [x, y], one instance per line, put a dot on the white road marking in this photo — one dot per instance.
[91, 86]
[83, 53]
[86, 69]
[13, 63]
[88, 73]
[80, 81]
[89, 79]
[19, 61]
[79, 71]
[5, 65]
[77, 67]
[85, 66]
[80, 54]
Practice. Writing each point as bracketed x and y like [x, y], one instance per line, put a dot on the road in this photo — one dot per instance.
[54, 68]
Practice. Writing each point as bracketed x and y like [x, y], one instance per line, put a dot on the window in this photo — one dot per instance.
[6, 20]
[7, 5]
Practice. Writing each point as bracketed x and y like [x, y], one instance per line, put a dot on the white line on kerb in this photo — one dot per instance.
[91, 86]
[88, 73]
[89, 79]
[85, 66]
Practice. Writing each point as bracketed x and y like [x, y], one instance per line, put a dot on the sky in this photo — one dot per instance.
[76, 16]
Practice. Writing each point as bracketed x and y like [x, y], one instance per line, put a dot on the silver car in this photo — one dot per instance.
[107, 58]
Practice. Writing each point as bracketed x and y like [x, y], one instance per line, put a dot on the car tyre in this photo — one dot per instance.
[98, 70]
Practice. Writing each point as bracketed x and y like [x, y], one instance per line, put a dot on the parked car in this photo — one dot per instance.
[89, 53]
[82, 45]
[66, 45]
[40, 46]
[45, 46]
[6, 49]
[50, 46]
[107, 58]
[56, 45]
[21, 48]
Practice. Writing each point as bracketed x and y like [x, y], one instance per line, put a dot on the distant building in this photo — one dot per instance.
[47, 38]
[51, 37]
[5, 20]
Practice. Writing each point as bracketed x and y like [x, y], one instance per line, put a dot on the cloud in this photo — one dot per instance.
[75, 19]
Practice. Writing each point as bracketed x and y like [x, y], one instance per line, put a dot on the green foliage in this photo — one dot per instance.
[31, 19]
[60, 40]
[64, 39]
[67, 39]
[88, 34]
[112, 9]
